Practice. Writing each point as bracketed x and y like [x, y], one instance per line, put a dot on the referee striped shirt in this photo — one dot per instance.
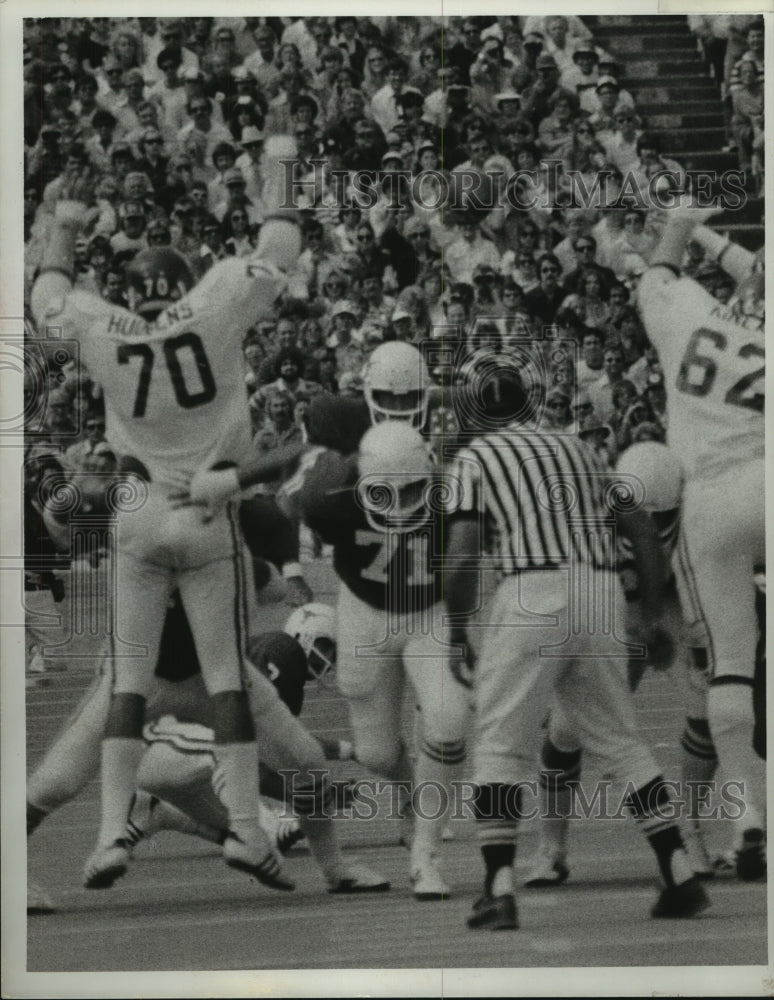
[546, 495]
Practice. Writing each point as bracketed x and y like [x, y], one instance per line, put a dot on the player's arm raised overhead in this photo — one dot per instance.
[57, 269]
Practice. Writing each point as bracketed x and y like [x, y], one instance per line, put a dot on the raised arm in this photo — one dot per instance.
[57, 269]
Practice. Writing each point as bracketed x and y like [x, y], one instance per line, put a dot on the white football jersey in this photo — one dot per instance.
[174, 388]
[713, 364]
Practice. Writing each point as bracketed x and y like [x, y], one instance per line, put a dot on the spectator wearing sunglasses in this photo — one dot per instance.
[585, 248]
[543, 301]
[202, 123]
[110, 81]
[75, 457]
[171, 35]
[153, 163]
[621, 143]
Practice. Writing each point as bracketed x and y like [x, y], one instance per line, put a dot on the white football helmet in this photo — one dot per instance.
[395, 384]
[314, 627]
[396, 468]
[658, 470]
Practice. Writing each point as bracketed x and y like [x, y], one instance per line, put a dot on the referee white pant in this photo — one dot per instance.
[547, 643]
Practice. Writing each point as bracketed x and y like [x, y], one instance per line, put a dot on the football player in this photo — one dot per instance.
[174, 400]
[180, 758]
[712, 356]
[379, 509]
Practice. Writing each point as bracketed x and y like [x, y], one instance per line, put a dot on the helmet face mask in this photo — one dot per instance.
[314, 627]
[396, 383]
[155, 279]
[396, 475]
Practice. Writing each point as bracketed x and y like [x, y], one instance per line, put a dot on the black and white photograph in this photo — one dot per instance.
[383, 464]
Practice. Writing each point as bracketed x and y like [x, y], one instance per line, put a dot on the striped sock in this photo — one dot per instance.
[651, 807]
[437, 766]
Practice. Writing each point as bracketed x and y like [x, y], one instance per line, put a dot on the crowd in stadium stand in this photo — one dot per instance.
[171, 114]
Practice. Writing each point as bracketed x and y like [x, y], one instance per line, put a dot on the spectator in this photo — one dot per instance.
[349, 351]
[131, 235]
[621, 144]
[201, 124]
[469, 249]
[169, 93]
[747, 118]
[601, 391]
[543, 301]
[590, 366]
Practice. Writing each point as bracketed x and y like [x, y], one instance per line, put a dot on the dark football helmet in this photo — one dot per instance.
[156, 278]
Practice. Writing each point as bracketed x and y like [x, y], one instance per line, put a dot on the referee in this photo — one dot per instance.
[540, 503]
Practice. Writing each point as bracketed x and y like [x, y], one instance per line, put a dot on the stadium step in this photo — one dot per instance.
[700, 120]
[682, 82]
[709, 159]
[629, 43]
[676, 95]
[687, 141]
[710, 105]
[623, 24]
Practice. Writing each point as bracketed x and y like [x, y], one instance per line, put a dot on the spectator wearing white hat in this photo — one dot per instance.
[350, 353]
[249, 161]
[601, 102]
[583, 74]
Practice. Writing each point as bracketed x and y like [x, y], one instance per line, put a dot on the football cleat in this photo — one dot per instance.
[751, 856]
[106, 864]
[38, 900]
[547, 870]
[427, 881]
[358, 878]
[494, 913]
[681, 901]
[262, 864]
[148, 815]
[282, 830]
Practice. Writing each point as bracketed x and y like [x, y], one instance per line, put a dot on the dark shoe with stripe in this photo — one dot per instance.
[267, 870]
[751, 856]
[681, 901]
[494, 913]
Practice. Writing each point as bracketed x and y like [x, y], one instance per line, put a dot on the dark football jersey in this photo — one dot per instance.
[277, 655]
[391, 570]
[339, 423]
